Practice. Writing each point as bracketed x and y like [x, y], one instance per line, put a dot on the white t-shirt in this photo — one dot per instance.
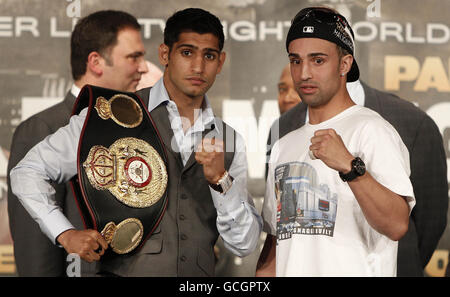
[320, 227]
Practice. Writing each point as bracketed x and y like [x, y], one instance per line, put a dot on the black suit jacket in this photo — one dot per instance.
[428, 172]
[34, 253]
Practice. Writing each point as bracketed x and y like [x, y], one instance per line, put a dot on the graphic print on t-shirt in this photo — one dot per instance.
[304, 206]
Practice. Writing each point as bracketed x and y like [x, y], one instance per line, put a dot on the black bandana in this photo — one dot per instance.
[328, 26]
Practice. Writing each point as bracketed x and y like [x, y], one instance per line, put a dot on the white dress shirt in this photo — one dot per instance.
[75, 90]
[55, 158]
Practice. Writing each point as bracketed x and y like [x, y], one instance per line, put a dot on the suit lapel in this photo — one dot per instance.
[191, 161]
[69, 102]
[160, 116]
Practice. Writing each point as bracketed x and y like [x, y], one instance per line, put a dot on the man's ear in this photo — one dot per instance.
[346, 64]
[163, 53]
[95, 63]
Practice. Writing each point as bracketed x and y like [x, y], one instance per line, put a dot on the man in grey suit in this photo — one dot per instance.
[107, 51]
[207, 186]
[428, 170]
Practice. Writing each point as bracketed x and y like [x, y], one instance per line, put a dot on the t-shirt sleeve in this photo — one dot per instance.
[387, 158]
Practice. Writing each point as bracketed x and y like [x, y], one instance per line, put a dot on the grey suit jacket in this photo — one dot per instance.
[34, 253]
[428, 172]
[182, 244]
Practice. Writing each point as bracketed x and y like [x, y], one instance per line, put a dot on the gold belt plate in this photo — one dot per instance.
[122, 109]
[131, 169]
[124, 237]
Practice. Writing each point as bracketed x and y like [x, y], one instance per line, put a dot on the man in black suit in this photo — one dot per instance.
[428, 170]
[107, 51]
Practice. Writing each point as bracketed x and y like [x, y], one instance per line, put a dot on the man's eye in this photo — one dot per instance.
[210, 56]
[186, 52]
[295, 61]
[318, 60]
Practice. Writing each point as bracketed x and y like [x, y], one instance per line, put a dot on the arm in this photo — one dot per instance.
[238, 222]
[53, 159]
[26, 135]
[45, 259]
[386, 211]
[30, 179]
[266, 263]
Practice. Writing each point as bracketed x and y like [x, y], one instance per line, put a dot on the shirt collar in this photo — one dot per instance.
[356, 92]
[158, 95]
[75, 90]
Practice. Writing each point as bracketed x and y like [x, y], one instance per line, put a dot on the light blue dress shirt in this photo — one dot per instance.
[55, 158]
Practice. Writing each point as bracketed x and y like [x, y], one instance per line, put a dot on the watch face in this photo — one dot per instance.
[359, 166]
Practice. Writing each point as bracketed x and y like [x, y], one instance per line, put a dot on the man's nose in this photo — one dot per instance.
[198, 64]
[143, 67]
[305, 72]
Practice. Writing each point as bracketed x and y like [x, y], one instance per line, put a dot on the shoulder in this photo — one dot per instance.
[52, 118]
[408, 119]
[370, 119]
[393, 108]
[144, 94]
[43, 123]
[289, 140]
[367, 114]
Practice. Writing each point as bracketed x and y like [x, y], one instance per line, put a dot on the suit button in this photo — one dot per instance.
[183, 258]
[182, 217]
[184, 196]
[183, 237]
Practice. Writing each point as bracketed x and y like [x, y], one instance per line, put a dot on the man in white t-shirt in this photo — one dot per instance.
[338, 193]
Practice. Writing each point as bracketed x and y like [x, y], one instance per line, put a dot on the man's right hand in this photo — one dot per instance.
[84, 243]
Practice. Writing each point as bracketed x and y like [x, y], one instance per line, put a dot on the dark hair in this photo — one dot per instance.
[192, 20]
[342, 51]
[97, 32]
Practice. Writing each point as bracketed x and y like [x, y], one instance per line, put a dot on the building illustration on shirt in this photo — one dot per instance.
[304, 206]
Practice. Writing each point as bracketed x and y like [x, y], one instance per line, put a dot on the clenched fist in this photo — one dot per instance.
[210, 154]
[328, 146]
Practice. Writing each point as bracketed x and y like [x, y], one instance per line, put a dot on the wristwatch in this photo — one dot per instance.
[358, 169]
[224, 183]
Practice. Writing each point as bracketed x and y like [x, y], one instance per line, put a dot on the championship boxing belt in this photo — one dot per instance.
[121, 186]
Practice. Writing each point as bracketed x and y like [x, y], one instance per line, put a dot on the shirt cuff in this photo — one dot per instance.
[54, 224]
[228, 202]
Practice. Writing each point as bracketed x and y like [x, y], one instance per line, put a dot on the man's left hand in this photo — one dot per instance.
[210, 154]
